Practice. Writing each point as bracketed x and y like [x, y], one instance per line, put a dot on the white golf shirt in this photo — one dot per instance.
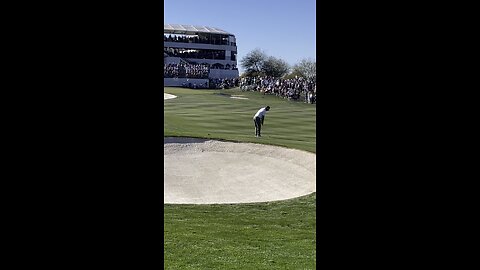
[261, 113]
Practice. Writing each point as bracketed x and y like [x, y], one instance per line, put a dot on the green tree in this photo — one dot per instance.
[253, 62]
[306, 68]
[275, 67]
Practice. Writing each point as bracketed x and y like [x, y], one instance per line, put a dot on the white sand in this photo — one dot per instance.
[208, 172]
[168, 96]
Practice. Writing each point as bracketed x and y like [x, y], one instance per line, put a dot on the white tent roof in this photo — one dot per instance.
[191, 29]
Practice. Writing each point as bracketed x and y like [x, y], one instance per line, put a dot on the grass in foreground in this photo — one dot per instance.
[274, 235]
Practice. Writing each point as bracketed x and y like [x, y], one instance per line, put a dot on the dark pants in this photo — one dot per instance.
[258, 125]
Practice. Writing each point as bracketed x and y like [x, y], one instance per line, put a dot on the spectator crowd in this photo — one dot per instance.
[297, 88]
[197, 71]
[184, 70]
[224, 83]
[195, 53]
[213, 39]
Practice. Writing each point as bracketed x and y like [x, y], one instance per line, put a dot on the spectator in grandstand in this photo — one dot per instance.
[258, 120]
[184, 70]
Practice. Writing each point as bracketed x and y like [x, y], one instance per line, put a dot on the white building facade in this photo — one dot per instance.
[202, 45]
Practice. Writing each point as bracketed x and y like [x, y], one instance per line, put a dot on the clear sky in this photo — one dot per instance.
[285, 29]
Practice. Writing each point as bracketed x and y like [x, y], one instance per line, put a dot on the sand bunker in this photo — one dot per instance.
[168, 96]
[238, 97]
[199, 171]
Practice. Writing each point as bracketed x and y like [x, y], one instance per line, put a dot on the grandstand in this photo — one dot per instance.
[198, 48]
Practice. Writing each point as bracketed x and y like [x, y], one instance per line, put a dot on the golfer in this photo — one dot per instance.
[258, 119]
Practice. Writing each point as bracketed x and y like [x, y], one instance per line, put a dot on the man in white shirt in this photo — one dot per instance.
[258, 119]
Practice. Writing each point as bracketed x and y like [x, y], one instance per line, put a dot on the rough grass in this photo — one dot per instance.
[274, 235]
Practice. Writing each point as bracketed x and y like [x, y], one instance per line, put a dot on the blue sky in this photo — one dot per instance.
[282, 28]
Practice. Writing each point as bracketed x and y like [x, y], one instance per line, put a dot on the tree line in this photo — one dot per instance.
[258, 63]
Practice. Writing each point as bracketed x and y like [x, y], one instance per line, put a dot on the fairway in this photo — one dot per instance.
[269, 235]
[215, 114]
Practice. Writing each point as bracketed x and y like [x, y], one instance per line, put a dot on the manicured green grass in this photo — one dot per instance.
[274, 235]
[213, 114]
